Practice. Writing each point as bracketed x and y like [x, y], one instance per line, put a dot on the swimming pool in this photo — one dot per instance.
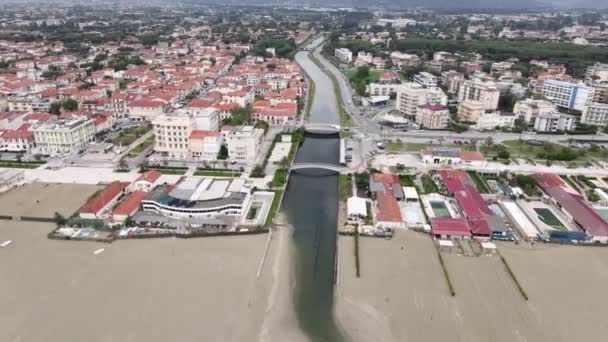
[440, 209]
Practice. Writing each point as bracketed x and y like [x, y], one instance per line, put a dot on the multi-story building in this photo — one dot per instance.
[567, 95]
[412, 95]
[484, 91]
[529, 109]
[470, 110]
[243, 142]
[188, 134]
[595, 114]
[597, 74]
[555, 122]
[344, 55]
[382, 89]
[64, 136]
[452, 80]
[433, 116]
[494, 120]
[426, 79]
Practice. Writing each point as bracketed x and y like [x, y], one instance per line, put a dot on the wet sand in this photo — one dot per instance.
[402, 294]
[140, 290]
[44, 199]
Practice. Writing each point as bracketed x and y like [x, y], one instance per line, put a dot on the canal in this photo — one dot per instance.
[311, 206]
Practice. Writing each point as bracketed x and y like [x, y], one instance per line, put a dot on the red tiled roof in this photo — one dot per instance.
[130, 204]
[105, 196]
[199, 134]
[149, 176]
[450, 226]
[386, 178]
[17, 134]
[574, 204]
[471, 156]
[388, 208]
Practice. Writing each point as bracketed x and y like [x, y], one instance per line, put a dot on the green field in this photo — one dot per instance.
[130, 135]
[547, 216]
[217, 173]
[440, 209]
[141, 147]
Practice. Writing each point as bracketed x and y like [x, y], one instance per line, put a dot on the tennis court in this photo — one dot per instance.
[549, 218]
[440, 209]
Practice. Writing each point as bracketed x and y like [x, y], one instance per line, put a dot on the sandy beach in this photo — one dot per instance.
[402, 294]
[140, 290]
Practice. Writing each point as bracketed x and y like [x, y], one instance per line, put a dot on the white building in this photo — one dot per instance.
[382, 89]
[555, 122]
[597, 74]
[365, 57]
[64, 136]
[243, 142]
[412, 95]
[595, 114]
[567, 95]
[494, 120]
[432, 116]
[344, 55]
[529, 109]
[189, 134]
[484, 91]
[10, 178]
[426, 79]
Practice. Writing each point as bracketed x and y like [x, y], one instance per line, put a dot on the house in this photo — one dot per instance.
[447, 227]
[103, 201]
[146, 181]
[128, 206]
[452, 156]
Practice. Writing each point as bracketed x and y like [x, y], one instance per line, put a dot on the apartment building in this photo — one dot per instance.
[433, 116]
[188, 134]
[567, 95]
[470, 110]
[243, 142]
[555, 122]
[344, 55]
[452, 80]
[597, 74]
[426, 79]
[64, 136]
[382, 89]
[484, 91]
[529, 109]
[595, 114]
[412, 95]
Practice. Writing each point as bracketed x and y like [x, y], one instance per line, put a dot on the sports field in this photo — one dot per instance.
[547, 216]
[440, 209]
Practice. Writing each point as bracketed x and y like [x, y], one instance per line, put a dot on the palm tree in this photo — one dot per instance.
[122, 164]
[284, 165]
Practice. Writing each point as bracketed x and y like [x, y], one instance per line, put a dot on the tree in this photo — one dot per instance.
[223, 153]
[123, 165]
[70, 105]
[241, 116]
[489, 141]
[258, 172]
[129, 222]
[55, 108]
[285, 165]
[504, 154]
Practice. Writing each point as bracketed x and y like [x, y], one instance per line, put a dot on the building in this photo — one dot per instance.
[426, 79]
[452, 157]
[480, 218]
[382, 89]
[344, 55]
[452, 80]
[356, 208]
[450, 228]
[567, 95]
[597, 74]
[433, 116]
[387, 191]
[470, 110]
[103, 201]
[190, 134]
[146, 181]
[410, 96]
[199, 198]
[129, 206]
[595, 114]
[529, 109]
[146, 109]
[10, 178]
[484, 91]
[573, 205]
[489, 121]
[554, 122]
[64, 136]
[243, 142]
